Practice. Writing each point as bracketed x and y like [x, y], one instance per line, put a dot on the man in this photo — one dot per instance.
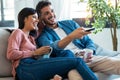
[63, 35]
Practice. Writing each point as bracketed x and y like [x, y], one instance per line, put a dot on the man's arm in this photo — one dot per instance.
[47, 39]
[76, 34]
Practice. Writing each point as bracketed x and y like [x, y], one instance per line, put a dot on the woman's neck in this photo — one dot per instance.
[26, 32]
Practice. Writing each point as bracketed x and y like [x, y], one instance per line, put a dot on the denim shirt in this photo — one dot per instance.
[49, 36]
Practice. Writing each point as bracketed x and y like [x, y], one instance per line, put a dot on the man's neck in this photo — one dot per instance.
[53, 26]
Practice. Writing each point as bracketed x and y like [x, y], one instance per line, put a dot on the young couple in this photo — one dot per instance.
[22, 51]
[65, 37]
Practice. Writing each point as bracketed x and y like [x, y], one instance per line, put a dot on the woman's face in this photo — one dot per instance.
[31, 22]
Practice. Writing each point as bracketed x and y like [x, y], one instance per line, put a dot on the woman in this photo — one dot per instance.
[22, 51]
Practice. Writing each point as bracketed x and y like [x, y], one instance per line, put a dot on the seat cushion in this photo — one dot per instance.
[5, 65]
[7, 78]
[105, 52]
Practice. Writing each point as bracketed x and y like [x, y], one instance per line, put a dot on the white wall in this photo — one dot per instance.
[19, 4]
[104, 38]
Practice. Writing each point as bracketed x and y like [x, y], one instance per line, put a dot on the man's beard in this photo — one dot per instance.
[49, 22]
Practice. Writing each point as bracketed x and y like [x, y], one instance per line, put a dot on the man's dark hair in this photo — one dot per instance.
[41, 5]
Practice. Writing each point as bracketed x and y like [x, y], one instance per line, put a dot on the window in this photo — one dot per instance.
[7, 13]
[80, 12]
[79, 9]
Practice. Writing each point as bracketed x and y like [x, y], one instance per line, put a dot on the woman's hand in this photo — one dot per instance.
[42, 50]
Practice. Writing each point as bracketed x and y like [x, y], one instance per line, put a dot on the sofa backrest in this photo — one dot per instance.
[5, 65]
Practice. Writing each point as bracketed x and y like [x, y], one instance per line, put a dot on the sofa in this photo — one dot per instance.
[5, 65]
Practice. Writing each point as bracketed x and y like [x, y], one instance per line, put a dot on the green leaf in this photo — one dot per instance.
[81, 0]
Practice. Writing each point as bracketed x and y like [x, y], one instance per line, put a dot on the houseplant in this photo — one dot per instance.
[106, 12]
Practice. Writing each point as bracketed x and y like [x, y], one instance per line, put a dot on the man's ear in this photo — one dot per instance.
[41, 21]
[41, 26]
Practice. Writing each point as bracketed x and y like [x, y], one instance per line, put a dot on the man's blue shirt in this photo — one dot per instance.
[49, 36]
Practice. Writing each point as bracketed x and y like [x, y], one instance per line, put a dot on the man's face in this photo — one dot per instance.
[48, 16]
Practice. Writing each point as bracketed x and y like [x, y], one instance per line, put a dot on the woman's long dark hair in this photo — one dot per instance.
[25, 12]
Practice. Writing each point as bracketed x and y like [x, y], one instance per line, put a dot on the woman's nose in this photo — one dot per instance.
[37, 20]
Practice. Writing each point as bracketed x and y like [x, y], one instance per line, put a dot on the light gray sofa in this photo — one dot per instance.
[5, 65]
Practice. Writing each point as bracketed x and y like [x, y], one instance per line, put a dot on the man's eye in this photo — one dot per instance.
[46, 13]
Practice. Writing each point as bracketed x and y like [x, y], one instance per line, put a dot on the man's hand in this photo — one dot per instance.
[78, 33]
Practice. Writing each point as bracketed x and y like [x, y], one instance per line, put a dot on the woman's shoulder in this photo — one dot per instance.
[17, 32]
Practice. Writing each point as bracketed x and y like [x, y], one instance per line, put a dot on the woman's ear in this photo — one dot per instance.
[25, 19]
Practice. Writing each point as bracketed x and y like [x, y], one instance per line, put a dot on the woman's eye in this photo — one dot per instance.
[35, 17]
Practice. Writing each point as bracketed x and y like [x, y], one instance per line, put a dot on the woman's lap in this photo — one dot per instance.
[46, 68]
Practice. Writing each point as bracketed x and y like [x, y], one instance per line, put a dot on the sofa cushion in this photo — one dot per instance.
[105, 52]
[5, 65]
[7, 78]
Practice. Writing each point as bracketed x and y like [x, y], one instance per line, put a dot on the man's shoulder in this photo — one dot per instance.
[65, 21]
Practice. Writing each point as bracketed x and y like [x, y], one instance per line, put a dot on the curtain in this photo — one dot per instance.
[62, 9]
